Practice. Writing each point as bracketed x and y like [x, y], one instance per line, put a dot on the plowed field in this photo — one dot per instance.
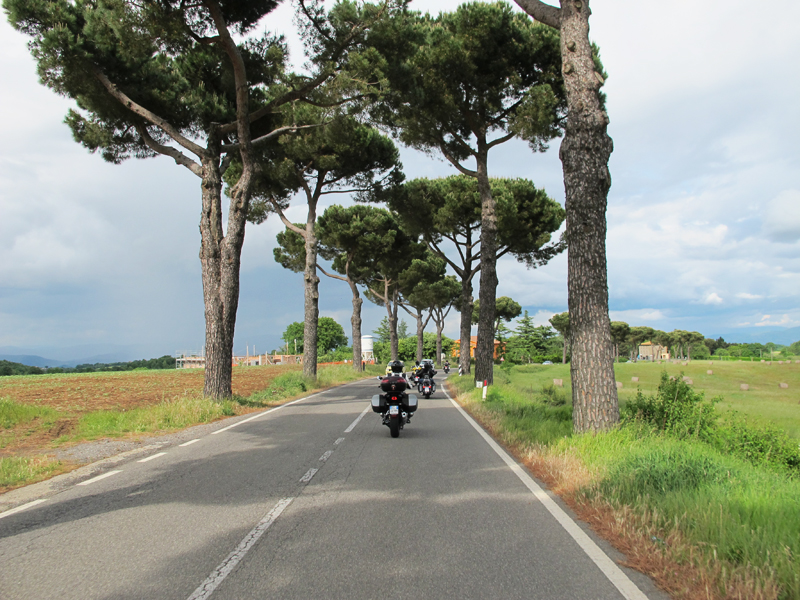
[79, 393]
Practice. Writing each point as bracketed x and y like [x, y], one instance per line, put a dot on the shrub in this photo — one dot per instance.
[676, 408]
[760, 444]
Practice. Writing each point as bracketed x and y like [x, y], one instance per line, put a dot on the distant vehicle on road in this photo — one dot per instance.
[548, 362]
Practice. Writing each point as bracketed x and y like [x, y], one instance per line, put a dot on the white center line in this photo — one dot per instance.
[326, 456]
[189, 443]
[14, 511]
[152, 457]
[99, 477]
[309, 474]
[261, 414]
[358, 418]
[223, 570]
[339, 441]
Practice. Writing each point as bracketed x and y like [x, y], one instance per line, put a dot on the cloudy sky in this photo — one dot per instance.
[703, 217]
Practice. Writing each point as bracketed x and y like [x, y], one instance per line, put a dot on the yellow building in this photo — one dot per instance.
[651, 351]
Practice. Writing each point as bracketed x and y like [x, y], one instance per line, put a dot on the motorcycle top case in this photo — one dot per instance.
[393, 383]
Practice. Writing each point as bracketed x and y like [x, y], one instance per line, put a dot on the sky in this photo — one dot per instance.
[703, 212]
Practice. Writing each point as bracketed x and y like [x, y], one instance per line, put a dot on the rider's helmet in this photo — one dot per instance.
[397, 366]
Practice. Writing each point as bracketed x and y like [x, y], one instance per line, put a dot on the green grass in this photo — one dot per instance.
[16, 471]
[166, 416]
[728, 508]
[14, 413]
[765, 401]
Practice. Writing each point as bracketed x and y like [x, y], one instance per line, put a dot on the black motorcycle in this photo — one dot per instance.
[446, 368]
[426, 386]
[395, 405]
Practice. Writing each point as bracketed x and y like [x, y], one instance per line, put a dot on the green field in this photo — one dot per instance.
[765, 400]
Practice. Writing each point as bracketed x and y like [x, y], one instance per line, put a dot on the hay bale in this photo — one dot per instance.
[709, 372]
[784, 386]
[619, 385]
[558, 382]
[635, 379]
[744, 387]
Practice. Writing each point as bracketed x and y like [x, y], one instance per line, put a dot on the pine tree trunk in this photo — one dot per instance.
[220, 258]
[484, 350]
[420, 335]
[466, 325]
[311, 280]
[584, 153]
[564, 354]
[439, 328]
[355, 321]
[391, 309]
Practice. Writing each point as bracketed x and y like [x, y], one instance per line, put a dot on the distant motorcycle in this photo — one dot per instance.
[395, 405]
[426, 386]
[446, 368]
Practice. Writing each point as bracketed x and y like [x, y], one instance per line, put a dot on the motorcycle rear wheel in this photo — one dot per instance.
[394, 426]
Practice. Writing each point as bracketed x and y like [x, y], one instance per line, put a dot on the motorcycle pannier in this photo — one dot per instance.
[412, 403]
[378, 404]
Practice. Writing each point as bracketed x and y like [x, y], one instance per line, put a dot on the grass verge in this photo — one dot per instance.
[18, 471]
[703, 518]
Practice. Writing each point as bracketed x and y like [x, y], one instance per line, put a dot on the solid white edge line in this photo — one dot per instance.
[18, 509]
[144, 460]
[217, 576]
[99, 477]
[608, 567]
[358, 418]
[309, 474]
[261, 414]
[189, 443]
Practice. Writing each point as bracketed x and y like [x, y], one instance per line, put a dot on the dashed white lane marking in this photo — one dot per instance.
[358, 418]
[261, 414]
[99, 477]
[189, 443]
[18, 509]
[223, 570]
[607, 566]
[309, 474]
[326, 456]
[152, 457]
[339, 441]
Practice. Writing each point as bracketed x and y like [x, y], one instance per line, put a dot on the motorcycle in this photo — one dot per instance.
[426, 386]
[446, 368]
[395, 405]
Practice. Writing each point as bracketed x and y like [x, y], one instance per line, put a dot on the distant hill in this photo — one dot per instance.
[8, 367]
[34, 361]
[761, 335]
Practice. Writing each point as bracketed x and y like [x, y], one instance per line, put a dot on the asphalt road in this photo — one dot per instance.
[312, 500]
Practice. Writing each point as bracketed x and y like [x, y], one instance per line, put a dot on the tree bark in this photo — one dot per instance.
[584, 154]
[391, 308]
[311, 279]
[355, 321]
[484, 350]
[466, 325]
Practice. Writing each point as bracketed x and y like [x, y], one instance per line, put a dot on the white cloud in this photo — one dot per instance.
[746, 296]
[712, 298]
[782, 321]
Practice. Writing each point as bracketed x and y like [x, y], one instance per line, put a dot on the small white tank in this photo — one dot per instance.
[367, 344]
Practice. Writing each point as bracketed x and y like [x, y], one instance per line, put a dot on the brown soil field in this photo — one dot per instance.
[79, 393]
[75, 394]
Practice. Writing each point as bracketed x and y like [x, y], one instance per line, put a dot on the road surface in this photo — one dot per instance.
[311, 500]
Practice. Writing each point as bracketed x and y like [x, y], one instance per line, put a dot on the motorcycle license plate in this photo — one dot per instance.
[394, 410]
